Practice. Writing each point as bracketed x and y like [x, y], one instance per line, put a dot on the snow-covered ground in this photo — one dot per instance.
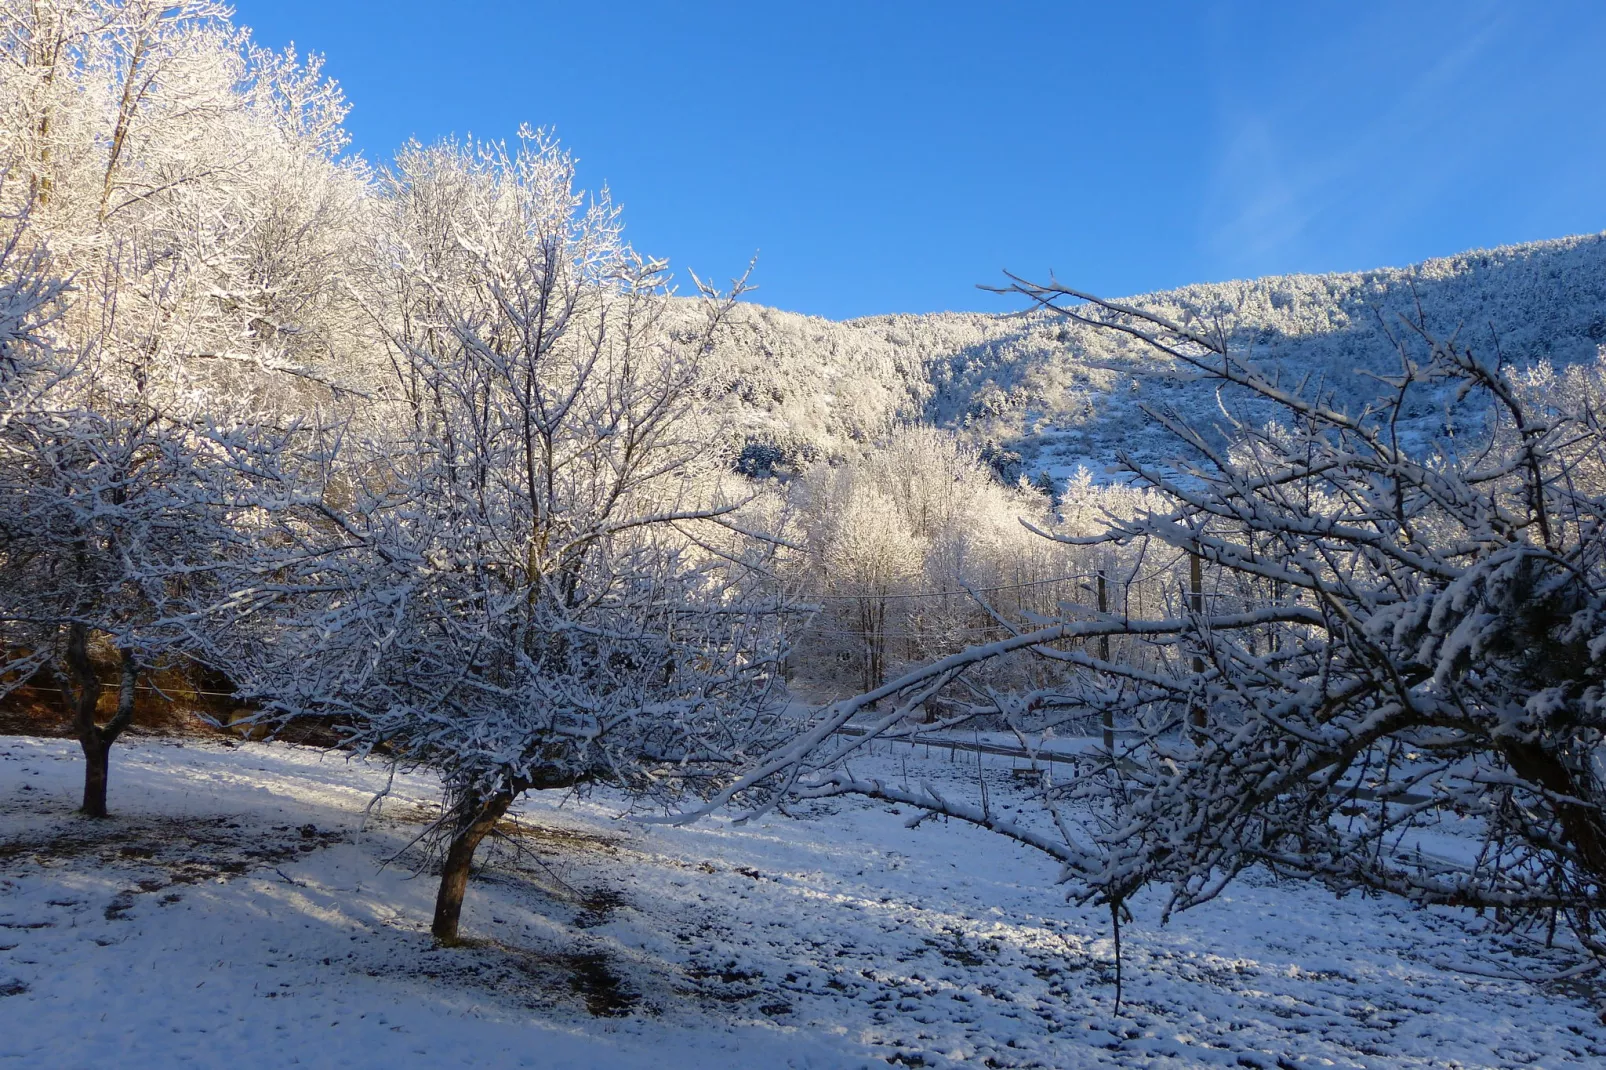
[235, 913]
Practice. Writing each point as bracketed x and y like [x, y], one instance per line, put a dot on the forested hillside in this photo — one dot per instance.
[1058, 394]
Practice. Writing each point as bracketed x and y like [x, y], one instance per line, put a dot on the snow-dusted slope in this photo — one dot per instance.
[233, 912]
[1059, 393]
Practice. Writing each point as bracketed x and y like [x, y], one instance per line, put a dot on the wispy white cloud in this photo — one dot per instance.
[1281, 182]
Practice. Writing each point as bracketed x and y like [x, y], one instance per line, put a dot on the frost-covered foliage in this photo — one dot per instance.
[435, 443]
[523, 538]
[171, 172]
[1039, 392]
[29, 303]
[433, 454]
[894, 538]
[1375, 640]
[1392, 637]
[164, 156]
[535, 572]
[916, 550]
[125, 507]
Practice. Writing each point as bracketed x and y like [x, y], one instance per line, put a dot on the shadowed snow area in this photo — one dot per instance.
[235, 912]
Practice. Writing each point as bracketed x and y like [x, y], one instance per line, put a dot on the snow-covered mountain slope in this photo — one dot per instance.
[1059, 393]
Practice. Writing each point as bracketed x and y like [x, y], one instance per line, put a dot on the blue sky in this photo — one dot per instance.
[885, 156]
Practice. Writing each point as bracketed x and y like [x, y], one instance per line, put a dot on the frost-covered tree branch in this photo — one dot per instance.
[1374, 639]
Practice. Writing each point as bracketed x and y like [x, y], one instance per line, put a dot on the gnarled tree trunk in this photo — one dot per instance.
[459, 858]
[80, 692]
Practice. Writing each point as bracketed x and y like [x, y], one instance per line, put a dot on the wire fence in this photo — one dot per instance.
[954, 747]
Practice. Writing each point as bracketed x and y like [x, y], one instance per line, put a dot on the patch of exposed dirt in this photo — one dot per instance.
[406, 813]
[605, 993]
[558, 837]
[159, 854]
[599, 905]
[537, 979]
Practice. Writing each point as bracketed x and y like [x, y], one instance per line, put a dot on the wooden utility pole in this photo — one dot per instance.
[1196, 715]
[1104, 656]
[1276, 600]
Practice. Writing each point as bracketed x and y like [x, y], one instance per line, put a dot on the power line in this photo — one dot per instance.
[141, 687]
[1133, 581]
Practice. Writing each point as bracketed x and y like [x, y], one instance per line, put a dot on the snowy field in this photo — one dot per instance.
[234, 912]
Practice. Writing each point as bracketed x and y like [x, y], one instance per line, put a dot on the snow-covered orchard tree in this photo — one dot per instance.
[539, 575]
[185, 182]
[123, 505]
[1384, 638]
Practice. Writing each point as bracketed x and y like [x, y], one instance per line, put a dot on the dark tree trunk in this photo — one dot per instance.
[80, 691]
[1582, 827]
[459, 858]
[97, 762]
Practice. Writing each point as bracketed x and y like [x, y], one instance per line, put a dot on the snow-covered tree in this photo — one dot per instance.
[1379, 639]
[916, 549]
[185, 182]
[1405, 636]
[164, 156]
[121, 506]
[534, 575]
[868, 561]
